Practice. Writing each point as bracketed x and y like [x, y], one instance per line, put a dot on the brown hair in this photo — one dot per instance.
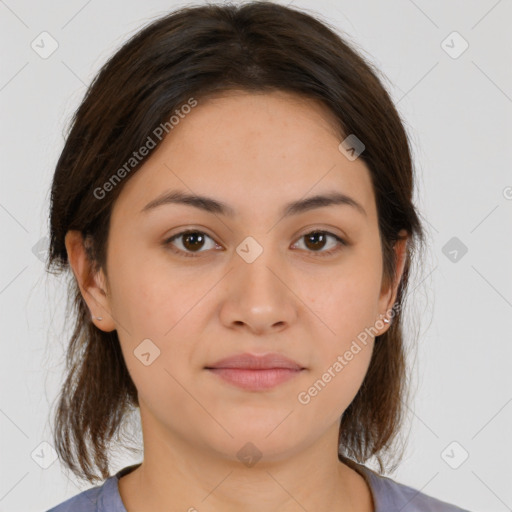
[194, 52]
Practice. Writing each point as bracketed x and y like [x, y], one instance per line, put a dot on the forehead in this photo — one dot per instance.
[251, 150]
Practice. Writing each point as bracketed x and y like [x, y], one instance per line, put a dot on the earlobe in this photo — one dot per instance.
[92, 283]
[388, 296]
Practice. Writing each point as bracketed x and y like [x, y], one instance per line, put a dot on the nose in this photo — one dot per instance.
[258, 296]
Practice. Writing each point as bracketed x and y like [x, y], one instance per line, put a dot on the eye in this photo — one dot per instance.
[316, 240]
[192, 241]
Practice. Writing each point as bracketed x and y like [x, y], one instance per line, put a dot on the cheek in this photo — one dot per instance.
[145, 300]
[332, 387]
[151, 304]
[345, 304]
[345, 310]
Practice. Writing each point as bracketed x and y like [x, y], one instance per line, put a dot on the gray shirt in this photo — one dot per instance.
[388, 496]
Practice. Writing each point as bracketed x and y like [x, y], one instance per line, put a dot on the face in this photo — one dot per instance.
[256, 278]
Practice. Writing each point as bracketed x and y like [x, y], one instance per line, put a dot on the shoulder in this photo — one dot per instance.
[390, 495]
[86, 501]
[96, 499]
[102, 498]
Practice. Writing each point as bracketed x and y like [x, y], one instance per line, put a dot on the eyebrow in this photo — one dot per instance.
[211, 205]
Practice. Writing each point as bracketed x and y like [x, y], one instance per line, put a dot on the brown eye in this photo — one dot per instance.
[316, 241]
[191, 241]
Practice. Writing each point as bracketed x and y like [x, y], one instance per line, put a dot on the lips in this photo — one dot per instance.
[256, 362]
[255, 372]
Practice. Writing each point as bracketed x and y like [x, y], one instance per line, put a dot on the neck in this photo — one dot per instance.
[177, 476]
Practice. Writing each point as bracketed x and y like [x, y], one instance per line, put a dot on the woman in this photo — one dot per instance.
[234, 200]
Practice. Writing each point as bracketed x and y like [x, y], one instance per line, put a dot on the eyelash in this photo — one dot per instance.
[168, 243]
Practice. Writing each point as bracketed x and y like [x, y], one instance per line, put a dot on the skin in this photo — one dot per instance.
[255, 152]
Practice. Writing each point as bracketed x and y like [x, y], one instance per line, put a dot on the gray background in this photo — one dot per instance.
[458, 112]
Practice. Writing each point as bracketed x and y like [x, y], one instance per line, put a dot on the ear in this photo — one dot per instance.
[92, 283]
[389, 292]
